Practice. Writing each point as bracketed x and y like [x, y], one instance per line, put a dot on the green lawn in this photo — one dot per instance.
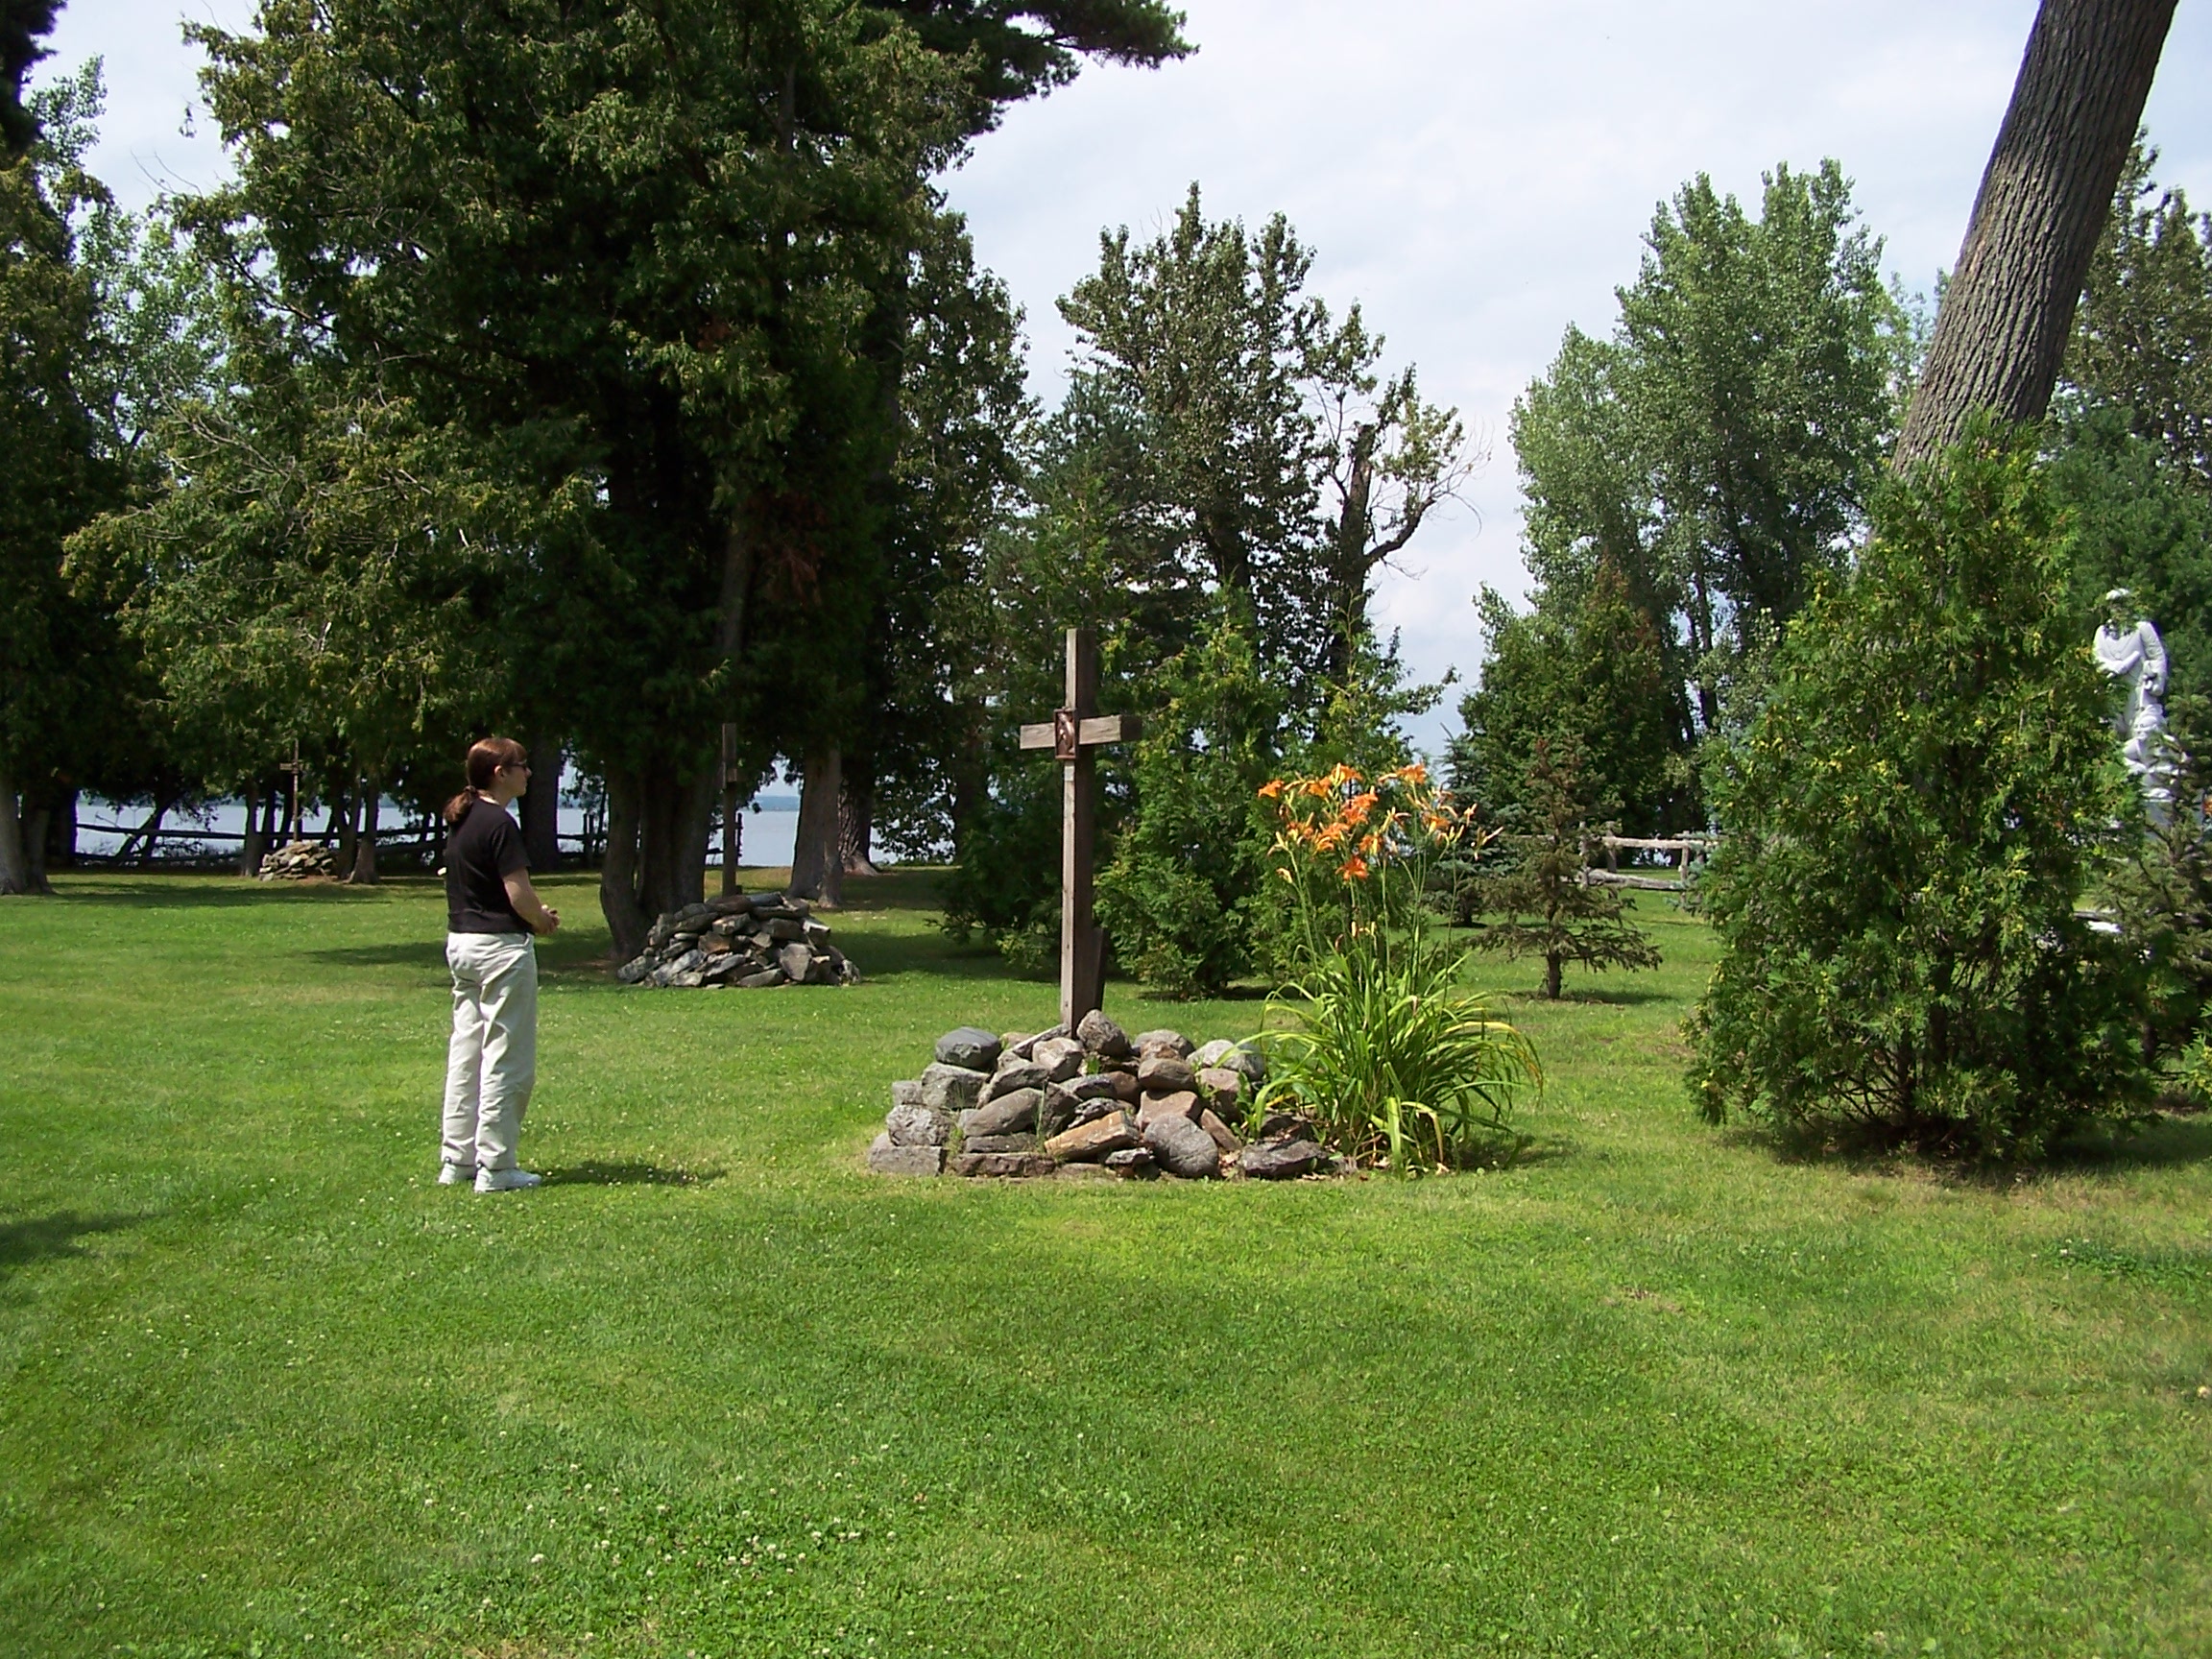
[265, 1388]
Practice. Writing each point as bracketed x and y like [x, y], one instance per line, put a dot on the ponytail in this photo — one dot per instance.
[486, 757]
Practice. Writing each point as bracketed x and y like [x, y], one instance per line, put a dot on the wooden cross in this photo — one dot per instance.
[1074, 734]
[296, 770]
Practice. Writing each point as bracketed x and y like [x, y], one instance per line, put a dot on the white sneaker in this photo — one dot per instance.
[506, 1180]
[456, 1174]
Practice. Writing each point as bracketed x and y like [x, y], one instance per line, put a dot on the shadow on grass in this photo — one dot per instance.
[41, 1238]
[2165, 1141]
[598, 1173]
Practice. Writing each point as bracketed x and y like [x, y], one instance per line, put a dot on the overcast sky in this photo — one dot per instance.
[1477, 174]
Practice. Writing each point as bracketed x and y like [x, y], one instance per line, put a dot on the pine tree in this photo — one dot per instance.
[1546, 907]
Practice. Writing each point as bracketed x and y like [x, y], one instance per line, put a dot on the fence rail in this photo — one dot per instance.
[1684, 849]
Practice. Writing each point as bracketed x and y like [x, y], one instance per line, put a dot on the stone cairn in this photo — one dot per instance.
[1095, 1104]
[300, 861]
[749, 942]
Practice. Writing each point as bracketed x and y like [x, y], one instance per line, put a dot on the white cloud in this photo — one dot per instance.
[1477, 174]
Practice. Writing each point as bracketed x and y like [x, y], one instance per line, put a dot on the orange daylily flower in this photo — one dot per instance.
[1270, 789]
[1355, 869]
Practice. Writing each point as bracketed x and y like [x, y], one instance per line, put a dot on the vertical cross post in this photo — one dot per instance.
[1074, 734]
[293, 811]
[730, 806]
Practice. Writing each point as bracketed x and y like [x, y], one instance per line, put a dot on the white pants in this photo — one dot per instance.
[493, 1061]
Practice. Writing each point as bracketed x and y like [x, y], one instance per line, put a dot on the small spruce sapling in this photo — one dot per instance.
[1546, 907]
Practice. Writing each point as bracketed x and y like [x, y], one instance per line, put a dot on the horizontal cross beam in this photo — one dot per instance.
[1088, 733]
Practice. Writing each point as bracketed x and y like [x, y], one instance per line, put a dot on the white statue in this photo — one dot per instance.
[2132, 653]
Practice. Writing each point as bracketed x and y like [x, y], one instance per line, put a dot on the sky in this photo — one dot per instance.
[1477, 174]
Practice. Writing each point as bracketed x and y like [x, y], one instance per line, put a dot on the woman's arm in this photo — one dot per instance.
[524, 898]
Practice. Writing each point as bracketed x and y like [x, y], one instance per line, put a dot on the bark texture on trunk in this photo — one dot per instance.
[255, 841]
[15, 868]
[657, 823]
[540, 808]
[817, 866]
[35, 825]
[2041, 208]
[61, 833]
[857, 826]
[365, 845]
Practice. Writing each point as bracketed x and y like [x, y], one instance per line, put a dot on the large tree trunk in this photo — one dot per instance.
[618, 870]
[36, 822]
[61, 833]
[15, 868]
[365, 843]
[350, 824]
[254, 842]
[2010, 305]
[540, 808]
[817, 868]
[856, 822]
[656, 848]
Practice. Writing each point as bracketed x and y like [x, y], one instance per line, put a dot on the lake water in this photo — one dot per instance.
[771, 829]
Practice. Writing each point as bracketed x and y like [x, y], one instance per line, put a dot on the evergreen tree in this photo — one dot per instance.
[1544, 907]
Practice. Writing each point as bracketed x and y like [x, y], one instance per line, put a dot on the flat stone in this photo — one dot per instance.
[1161, 1073]
[917, 1126]
[906, 1092]
[1130, 1160]
[1061, 1057]
[888, 1158]
[1090, 1108]
[759, 981]
[1286, 1126]
[1182, 1147]
[1224, 1136]
[634, 970]
[1101, 1037]
[1222, 1088]
[950, 1087]
[1163, 1041]
[1022, 1143]
[1126, 1089]
[1280, 1160]
[1092, 1086]
[797, 961]
[1007, 1114]
[1002, 1165]
[970, 1047]
[715, 944]
[1093, 1140]
[1181, 1104]
[687, 981]
[1211, 1053]
[1014, 1074]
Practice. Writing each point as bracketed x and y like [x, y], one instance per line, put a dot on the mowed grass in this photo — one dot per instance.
[714, 1390]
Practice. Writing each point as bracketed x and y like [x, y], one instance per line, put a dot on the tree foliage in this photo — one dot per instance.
[1910, 818]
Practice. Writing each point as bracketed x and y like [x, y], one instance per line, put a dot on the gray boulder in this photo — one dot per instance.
[1211, 1053]
[917, 1126]
[1182, 1148]
[1222, 1088]
[1247, 1062]
[1101, 1037]
[795, 960]
[950, 1087]
[1162, 1073]
[1280, 1160]
[765, 977]
[1181, 1104]
[1014, 1074]
[906, 1092]
[970, 1047]
[1007, 1114]
[1061, 1057]
[1130, 1160]
[1163, 1041]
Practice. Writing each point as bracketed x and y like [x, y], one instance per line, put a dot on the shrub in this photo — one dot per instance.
[1391, 1058]
[1907, 822]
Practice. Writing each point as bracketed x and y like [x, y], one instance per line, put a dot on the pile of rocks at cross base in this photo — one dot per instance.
[1096, 1103]
[300, 861]
[749, 942]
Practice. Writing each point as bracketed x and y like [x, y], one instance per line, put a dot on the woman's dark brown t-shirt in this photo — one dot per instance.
[484, 849]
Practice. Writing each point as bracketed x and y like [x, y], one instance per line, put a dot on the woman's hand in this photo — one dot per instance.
[538, 917]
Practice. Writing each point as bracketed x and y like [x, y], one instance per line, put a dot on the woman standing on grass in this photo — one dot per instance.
[491, 912]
